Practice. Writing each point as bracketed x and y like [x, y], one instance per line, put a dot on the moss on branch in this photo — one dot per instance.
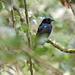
[60, 47]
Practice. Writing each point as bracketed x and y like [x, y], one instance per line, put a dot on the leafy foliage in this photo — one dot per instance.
[13, 60]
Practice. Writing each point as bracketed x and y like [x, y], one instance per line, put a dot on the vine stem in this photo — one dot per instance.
[27, 22]
[12, 13]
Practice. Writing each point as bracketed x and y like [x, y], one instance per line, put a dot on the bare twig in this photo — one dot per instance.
[26, 12]
[27, 21]
[12, 16]
[60, 47]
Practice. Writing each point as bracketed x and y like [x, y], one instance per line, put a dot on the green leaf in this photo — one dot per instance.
[1, 6]
[19, 28]
[41, 50]
[25, 28]
[15, 42]
[7, 4]
[36, 22]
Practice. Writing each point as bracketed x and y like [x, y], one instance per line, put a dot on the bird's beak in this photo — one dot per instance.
[52, 20]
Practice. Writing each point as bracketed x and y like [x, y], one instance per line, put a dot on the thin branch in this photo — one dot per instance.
[40, 60]
[12, 17]
[31, 66]
[72, 5]
[60, 47]
[27, 21]
[26, 12]
[22, 18]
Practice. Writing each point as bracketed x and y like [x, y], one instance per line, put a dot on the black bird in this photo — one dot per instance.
[44, 31]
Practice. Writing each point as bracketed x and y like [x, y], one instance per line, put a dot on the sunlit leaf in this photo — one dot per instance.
[35, 21]
[25, 28]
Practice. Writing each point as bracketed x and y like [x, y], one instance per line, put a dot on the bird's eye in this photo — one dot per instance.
[48, 19]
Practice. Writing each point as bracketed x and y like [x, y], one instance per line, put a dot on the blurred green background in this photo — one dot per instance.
[15, 62]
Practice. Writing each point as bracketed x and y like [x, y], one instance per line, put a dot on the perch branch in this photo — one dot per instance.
[60, 47]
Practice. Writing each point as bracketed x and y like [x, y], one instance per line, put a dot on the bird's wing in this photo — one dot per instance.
[40, 28]
[49, 27]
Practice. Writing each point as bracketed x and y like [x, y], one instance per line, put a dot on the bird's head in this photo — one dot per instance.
[47, 20]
